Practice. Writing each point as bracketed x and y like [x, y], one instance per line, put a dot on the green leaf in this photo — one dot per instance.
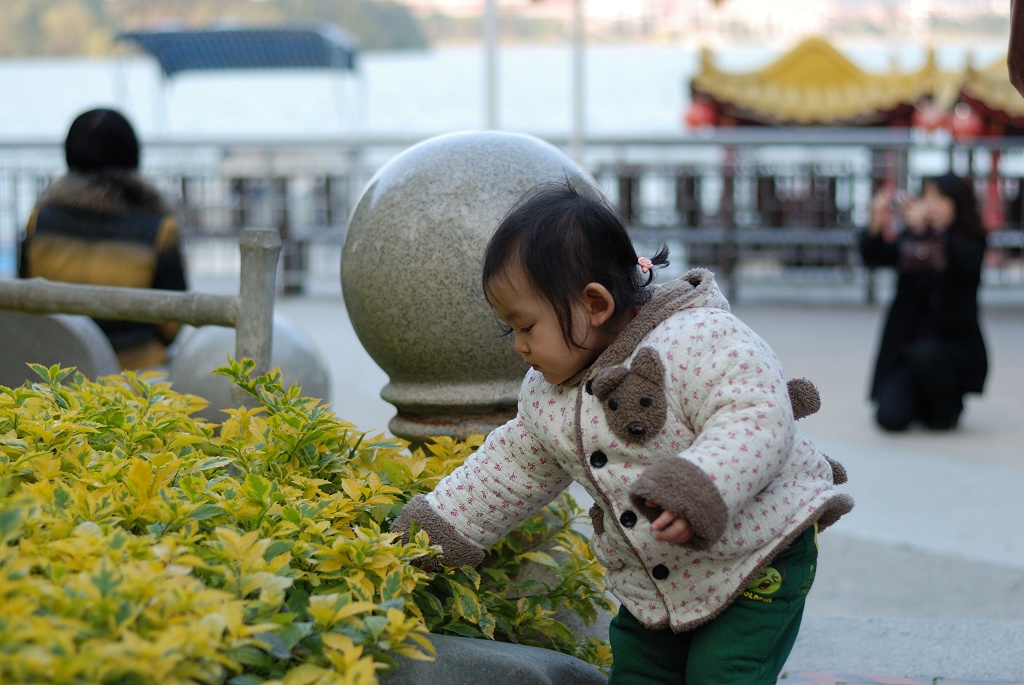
[212, 463]
[466, 604]
[206, 511]
[126, 678]
[460, 628]
[429, 603]
[61, 498]
[257, 487]
[10, 523]
[495, 575]
[274, 645]
[294, 632]
[487, 625]
[118, 540]
[396, 603]
[277, 548]
[106, 581]
[392, 586]
[297, 600]
[125, 611]
[472, 575]
[251, 656]
[245, 680]
[377, 625]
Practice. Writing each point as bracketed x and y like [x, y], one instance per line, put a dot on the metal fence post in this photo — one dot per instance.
[254, 334]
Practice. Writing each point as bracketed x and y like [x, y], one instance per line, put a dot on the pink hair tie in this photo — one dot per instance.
[645, 264]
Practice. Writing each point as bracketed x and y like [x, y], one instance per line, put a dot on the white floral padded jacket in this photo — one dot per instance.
[688, 408]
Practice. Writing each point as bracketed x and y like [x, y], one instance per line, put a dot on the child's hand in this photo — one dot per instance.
[671, 528]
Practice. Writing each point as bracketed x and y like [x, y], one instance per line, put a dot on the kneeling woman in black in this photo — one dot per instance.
[932, 351]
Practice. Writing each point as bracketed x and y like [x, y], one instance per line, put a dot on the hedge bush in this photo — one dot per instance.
[143, 545]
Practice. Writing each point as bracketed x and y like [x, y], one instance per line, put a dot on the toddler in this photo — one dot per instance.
[675, 418]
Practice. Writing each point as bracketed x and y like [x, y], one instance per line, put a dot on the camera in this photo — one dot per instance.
[899, 198]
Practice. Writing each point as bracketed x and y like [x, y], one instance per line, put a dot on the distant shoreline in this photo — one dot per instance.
[985, 41]
[631, 89]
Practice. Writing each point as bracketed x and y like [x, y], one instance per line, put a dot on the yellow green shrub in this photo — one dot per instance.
[139, 544]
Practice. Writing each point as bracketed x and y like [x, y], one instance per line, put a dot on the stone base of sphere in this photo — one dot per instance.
[456, 410]
[410, 275]
[209, 347]
[420, 428]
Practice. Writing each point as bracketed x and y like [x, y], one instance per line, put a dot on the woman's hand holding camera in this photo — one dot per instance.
[881, 209]
[888, 200]
[915, 215]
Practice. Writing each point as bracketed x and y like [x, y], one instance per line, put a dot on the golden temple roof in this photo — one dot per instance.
[814, 84]
[991, 87]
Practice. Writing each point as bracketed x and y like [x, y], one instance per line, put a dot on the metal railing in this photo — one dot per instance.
[250, 313]
[777, 204]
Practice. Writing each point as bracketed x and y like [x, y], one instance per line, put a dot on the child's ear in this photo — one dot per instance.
[599, 303]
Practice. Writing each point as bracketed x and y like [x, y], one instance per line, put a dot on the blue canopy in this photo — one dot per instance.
[325, 47]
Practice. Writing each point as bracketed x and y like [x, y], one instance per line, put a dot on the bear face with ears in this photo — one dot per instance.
[634, 398]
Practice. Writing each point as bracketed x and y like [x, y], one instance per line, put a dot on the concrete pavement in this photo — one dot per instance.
[925, 578]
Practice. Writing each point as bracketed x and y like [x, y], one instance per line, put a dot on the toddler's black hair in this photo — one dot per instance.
[563, 240]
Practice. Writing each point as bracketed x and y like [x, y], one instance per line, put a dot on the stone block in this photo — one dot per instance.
[48, 339]
[468, 661]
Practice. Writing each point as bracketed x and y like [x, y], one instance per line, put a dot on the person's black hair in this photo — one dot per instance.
[966, 216]
[564, 240]
[101, 139]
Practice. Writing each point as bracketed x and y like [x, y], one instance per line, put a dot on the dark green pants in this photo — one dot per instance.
[747, 644]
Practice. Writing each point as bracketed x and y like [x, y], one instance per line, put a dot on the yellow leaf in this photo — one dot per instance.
[328, 610]
[45, 466]
[239, 544]
[429, 651]
[354, 668]
[337, 641]
[416, 466]
[352, 489]
[270, 585]
[306, 674]
[139, 478]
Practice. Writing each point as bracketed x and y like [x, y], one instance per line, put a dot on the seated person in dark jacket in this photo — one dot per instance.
[932, 351]
[102, 224]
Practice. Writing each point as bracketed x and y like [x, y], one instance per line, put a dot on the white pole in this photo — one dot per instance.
[919, 20]
[576, 137]
[490, 64]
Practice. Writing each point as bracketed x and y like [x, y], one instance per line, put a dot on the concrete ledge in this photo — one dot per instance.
[930, 649]
[469, 661]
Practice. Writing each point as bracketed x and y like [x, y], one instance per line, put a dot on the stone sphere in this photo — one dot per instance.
[410, 275]
[208, 347]
[49, 339]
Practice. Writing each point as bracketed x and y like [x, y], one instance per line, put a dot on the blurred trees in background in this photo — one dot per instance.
[37, 28]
